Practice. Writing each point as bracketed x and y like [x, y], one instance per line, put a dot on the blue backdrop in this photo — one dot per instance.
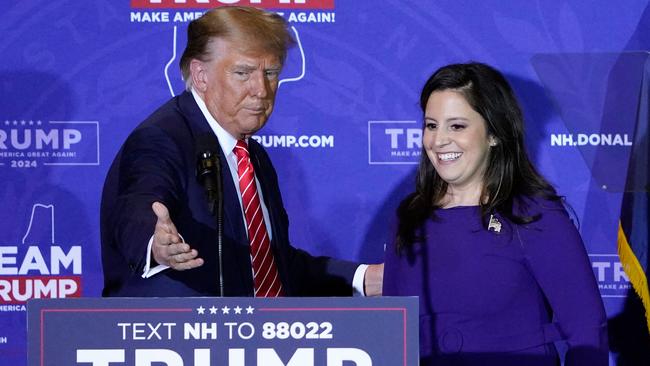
[77, 76]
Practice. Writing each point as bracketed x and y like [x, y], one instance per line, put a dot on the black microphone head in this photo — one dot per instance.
[206, 142]
[205, 164]
[207, 159]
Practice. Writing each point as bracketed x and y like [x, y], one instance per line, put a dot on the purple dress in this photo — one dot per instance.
[489, 298]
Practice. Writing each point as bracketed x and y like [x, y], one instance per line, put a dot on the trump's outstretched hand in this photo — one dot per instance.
[168, 247]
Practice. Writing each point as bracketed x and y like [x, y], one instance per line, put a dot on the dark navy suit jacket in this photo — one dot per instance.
[158, 163]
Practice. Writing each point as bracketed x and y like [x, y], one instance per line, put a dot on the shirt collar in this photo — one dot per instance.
[226, 140]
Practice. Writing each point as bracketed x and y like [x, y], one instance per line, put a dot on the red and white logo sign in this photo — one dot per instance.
[206, 4]
[36, 269]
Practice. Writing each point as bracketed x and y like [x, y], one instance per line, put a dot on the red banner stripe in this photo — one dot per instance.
[208, 4]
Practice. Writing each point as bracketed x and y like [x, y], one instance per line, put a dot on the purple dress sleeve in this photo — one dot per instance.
[558, 260]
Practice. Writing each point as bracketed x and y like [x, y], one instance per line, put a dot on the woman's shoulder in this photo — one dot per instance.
[539, 203]
[541, 208]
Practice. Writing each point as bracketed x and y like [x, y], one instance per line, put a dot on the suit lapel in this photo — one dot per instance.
[233, 221]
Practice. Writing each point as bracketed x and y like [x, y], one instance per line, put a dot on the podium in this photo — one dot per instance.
[223, 331]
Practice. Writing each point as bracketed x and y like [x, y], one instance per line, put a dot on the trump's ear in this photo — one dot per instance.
[198, 74]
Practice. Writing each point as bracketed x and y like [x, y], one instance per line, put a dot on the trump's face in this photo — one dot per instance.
[238, 86]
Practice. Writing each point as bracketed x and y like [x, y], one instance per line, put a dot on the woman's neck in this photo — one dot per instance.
[461, 196]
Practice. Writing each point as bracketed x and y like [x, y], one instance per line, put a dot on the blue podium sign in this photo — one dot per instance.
[223, 332]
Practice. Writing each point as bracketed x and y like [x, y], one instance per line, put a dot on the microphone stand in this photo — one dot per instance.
[220, 223]
[209, 175]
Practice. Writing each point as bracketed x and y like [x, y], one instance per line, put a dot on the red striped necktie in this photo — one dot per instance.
[265, 272]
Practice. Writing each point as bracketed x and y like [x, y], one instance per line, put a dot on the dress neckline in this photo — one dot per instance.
[458, 207]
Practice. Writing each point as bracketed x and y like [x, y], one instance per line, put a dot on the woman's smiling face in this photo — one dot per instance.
[455, 139]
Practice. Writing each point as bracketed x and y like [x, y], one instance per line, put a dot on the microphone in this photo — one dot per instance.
[208, 174]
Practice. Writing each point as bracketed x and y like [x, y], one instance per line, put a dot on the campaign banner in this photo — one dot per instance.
[223, 331]
[207, 4]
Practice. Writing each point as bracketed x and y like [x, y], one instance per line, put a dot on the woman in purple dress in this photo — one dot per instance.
[486, 242]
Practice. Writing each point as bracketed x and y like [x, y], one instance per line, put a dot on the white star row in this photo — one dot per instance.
[224, 310]
[23, 122]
